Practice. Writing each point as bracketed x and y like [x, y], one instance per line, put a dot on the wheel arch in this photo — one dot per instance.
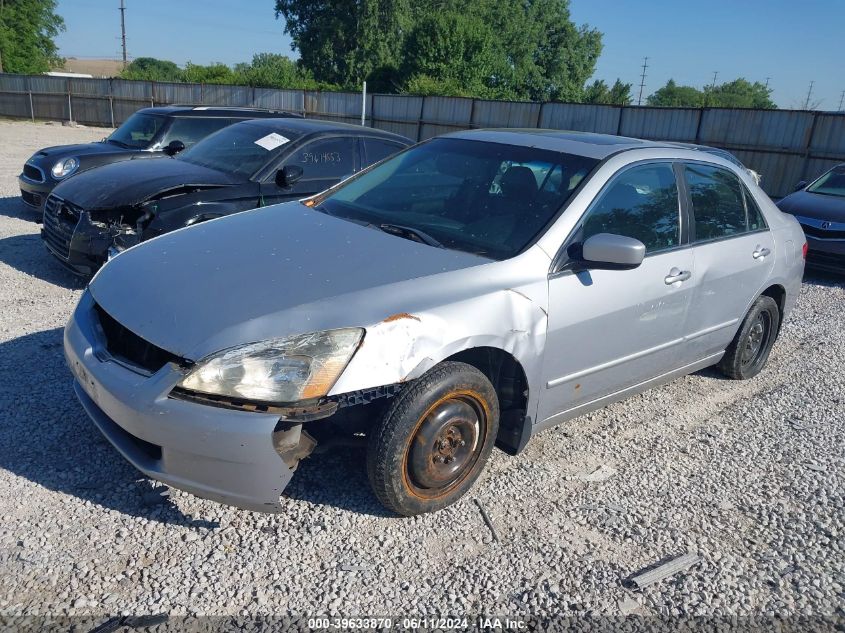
[778, 293]
[510, 382]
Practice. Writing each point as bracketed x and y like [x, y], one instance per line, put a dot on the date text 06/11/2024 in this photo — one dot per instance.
[485, 623]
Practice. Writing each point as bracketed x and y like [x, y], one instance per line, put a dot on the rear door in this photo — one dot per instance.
[734, 254]
[613, 329]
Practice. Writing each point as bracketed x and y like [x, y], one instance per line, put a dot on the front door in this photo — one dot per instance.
[612, 329]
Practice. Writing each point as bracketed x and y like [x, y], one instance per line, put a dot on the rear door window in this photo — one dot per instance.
[718, 202]
[376, 149]
[326, 158]
[642, 202]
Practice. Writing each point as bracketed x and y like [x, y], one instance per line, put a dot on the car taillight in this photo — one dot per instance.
[804, 250]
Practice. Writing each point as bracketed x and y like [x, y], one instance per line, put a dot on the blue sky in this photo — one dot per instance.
[789, 41]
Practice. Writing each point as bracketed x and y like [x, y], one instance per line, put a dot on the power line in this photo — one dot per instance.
[809, 93]
[642, 81]
[123, 30]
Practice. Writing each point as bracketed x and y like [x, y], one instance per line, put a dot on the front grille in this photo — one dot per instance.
[33, 173]
[125, 345]
[60, 220]
[823, 234]
[32, 199]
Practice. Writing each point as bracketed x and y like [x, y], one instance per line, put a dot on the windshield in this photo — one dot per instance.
[486, 198]
[831, 184]
[137, 131]
[241, 149]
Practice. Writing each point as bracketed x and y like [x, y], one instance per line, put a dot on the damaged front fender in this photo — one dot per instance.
[403, 346]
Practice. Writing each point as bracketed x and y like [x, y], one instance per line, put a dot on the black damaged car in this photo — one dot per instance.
[149, 133]
[251, 164]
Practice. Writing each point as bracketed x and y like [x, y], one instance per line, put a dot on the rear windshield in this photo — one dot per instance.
[138, 131]
[831, 184]
[485, 198]
[241, 149]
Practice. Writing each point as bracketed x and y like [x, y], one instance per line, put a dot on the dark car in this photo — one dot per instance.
[149, 133]
[820, 209]
[247, 165]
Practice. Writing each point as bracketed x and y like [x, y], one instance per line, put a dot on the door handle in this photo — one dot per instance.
[676, 275]
[760, 252]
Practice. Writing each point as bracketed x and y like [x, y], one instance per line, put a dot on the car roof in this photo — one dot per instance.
[217, 111]
[589, 144]
[302, 127]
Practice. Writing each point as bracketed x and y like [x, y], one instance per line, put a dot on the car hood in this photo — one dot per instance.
[83, 149]
[269, 273]
[814, 205]
[131, 182]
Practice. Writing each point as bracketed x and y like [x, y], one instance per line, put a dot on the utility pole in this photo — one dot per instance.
[715, 74]
[841, 101]
[767, 82]
[123, 30]
[642, 81]
[809, 94]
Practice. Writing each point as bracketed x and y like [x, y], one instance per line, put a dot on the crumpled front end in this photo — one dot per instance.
[241, 458]
[82, 240]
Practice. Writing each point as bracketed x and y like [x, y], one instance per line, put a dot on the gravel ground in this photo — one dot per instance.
[748, 475]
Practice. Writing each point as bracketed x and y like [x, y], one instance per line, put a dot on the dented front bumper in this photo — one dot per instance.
[240, 458]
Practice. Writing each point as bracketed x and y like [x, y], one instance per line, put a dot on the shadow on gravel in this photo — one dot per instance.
[336, 478]
[27, 254]
[13, 207]
[823, 278]
[46, 437]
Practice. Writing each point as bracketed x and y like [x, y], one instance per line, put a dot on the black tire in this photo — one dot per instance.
[433, 441]
[748, 352]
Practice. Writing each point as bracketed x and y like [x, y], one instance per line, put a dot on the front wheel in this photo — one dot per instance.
[748, 352]
[434, 440]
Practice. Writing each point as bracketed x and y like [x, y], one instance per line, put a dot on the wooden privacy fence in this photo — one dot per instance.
[785, 146]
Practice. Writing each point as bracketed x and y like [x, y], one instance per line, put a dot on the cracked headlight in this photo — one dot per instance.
[279, 370]
[64, 168]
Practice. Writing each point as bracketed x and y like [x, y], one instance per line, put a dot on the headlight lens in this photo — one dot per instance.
[64, 168]
[279, 370]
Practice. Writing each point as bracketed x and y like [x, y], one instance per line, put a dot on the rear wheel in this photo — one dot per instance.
[434, 440]
[748, 352]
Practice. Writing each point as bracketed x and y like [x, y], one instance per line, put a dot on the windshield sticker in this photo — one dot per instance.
[272, 141]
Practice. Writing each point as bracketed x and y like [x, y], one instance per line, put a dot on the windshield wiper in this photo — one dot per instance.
[409, 233]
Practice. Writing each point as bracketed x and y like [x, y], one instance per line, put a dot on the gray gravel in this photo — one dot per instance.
[747, 475]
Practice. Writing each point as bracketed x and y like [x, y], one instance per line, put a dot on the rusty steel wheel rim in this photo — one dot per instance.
[446, 446]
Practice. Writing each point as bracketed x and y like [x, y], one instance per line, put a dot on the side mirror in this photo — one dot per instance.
[288, 176]
[174, 147]
[616, 252]
[800, 185]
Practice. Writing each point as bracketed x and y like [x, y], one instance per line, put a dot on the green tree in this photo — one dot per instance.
[598, 92]
[345, 41]
[454, 55]
[739, 93]
[151, 69]
[27, 31]
[674, 96]
[215, 73]
[520, 49]
[271, 70]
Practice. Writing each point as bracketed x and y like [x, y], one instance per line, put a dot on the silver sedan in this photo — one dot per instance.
[471, 291]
